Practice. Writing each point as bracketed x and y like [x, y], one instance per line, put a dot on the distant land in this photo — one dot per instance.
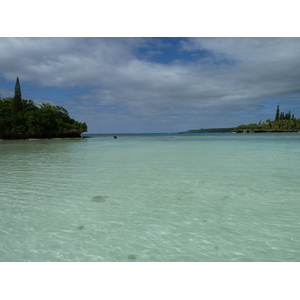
[208, 130]
[283, 122]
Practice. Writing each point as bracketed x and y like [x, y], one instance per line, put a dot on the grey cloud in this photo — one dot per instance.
[246, 49]
[63, 61]
[237, 75]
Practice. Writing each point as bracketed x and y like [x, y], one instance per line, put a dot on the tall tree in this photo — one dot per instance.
[17, 101]
[277, 113]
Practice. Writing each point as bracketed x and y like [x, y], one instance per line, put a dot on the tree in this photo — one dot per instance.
[277, 113]
[20, 118]
[282, 116]
[283, 122]
[17, 100]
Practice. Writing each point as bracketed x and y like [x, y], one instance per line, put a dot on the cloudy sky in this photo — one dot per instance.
[132, 85]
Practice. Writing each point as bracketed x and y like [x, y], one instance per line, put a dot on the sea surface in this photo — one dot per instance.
[151, 198]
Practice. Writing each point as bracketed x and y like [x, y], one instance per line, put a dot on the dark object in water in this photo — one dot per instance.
[80, 227]
[131, 257]
[99, 198]
[115, 137]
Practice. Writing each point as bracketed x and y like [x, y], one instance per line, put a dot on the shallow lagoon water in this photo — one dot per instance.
[166, 198]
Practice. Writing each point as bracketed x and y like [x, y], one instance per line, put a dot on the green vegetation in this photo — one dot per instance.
[208, 130]
[22, 119]
[284, 122]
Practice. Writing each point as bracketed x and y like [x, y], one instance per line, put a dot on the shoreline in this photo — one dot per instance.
[62, 138]
[115, 137]
[264, 131]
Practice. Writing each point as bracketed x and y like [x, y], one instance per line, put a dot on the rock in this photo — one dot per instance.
[131, 257]
[99, 198]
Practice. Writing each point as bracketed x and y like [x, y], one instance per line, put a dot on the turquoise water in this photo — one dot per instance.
[174, 198]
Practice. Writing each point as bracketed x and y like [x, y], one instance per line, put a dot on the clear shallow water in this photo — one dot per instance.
[208, 197]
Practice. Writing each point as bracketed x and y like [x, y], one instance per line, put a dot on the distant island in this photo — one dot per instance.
[283, 122]
[208, 130]
[22, 119]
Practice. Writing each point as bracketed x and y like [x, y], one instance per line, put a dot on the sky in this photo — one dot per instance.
[144, 85]
[216, 75]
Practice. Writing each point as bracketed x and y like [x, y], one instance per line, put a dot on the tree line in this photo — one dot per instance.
[20, 118]
[282, 122]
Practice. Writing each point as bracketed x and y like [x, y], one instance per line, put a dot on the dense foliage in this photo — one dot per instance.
[283, 122]
[21, 118]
